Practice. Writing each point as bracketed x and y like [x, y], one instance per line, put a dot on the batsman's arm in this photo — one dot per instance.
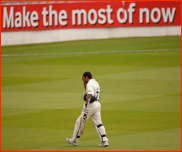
[89, 96]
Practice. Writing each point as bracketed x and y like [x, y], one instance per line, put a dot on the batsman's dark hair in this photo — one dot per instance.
[88, 74]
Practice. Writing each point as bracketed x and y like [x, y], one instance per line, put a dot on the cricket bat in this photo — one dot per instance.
[83, 122]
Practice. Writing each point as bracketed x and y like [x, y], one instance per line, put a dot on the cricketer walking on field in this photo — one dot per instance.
[91, 108]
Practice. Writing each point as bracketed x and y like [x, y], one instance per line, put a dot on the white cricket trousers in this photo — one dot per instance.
[95, 114]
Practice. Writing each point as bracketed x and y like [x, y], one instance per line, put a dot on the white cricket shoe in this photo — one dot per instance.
[104, 144]
[71, 142]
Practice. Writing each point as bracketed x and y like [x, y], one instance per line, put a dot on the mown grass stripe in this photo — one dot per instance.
[84, 53]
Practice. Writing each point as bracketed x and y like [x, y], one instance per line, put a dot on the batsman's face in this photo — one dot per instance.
[84, 79]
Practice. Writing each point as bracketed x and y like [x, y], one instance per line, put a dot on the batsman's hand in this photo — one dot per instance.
[83, 79]
[85, 109]
[84, 117]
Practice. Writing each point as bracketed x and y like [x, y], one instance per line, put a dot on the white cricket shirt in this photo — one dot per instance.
[93, 88]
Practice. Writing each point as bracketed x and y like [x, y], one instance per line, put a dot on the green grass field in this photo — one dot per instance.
[140, 95]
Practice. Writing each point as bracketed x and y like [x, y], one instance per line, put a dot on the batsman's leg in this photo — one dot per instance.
[75, 139]
[76, 135]
[100, 129]
[96, 129]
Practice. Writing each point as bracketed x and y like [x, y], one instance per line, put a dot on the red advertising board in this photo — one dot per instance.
[89, 15]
